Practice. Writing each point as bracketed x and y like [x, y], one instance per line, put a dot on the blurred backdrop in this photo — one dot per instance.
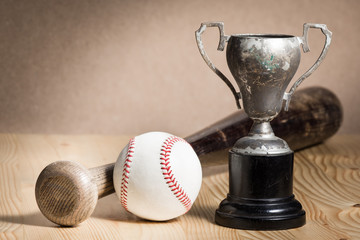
[127, 67]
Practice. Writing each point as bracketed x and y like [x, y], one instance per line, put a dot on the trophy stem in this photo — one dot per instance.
[262, 128]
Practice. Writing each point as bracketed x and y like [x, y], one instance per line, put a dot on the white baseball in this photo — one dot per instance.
[157, 176]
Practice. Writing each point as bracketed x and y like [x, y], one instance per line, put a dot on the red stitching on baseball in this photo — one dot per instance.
[171, 181]
[126, 173]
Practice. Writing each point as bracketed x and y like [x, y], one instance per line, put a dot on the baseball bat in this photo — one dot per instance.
[67, 192]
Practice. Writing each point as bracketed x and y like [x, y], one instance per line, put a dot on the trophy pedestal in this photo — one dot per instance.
[260, 194]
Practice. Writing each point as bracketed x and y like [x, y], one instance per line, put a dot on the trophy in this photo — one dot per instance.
[261, 165]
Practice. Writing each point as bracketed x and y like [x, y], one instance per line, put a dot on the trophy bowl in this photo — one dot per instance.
[263, 66]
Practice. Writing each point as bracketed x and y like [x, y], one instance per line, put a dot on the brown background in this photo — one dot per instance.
[127, 67]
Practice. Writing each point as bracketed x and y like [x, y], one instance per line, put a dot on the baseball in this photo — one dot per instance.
[157, 176]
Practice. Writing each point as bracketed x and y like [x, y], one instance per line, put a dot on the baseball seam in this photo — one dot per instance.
[126, 173]
[171, 181]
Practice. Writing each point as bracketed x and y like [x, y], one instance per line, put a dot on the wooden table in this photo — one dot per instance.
[327, 183]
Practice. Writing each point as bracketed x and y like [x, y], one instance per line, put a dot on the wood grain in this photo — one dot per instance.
[326, 182]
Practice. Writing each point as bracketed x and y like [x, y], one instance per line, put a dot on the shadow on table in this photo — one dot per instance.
[206, 212]
[110, 208]
[32, 219]
[206, 204]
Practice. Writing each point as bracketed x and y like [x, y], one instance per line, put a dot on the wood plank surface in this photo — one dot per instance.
[326, 182]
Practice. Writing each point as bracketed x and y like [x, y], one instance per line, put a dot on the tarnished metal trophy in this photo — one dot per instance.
[261, 165]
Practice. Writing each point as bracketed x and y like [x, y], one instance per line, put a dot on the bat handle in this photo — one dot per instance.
[66, 192]
[103, 177]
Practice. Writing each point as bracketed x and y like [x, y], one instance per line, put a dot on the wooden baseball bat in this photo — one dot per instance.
[67, 192]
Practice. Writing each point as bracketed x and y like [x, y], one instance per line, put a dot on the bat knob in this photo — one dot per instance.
[66, 193]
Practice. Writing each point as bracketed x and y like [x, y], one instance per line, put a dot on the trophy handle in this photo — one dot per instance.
[304, 41]
[221, 46]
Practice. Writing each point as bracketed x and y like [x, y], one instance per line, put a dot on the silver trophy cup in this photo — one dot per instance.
[261, 164]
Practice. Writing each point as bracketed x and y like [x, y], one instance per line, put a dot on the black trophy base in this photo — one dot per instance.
[261, 196]
[260, 215]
